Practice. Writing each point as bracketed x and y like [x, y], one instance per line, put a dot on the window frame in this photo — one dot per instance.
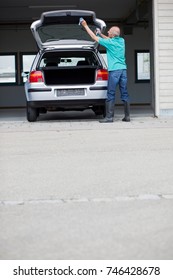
[21, 64]
[137, 80]
[16, 68]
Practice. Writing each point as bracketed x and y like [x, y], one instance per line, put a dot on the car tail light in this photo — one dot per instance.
[36, 77]
[102, 74]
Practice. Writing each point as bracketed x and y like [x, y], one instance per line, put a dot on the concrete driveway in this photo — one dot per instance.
[72, 188]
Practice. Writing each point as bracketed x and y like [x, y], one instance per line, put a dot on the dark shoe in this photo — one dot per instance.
[109, 112]
[126, 112]
[106, 120]
[126, 119]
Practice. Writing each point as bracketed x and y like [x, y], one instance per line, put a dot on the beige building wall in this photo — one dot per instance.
[163, 56]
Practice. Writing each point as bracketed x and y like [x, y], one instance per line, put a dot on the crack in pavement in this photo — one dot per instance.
[85, 199]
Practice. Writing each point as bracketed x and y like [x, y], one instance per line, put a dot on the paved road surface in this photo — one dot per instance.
[78, 189]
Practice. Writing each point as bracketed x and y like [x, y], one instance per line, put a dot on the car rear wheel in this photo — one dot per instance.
[31, 113]
[99, 110]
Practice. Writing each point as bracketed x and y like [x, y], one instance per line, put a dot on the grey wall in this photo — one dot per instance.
[140, 40]
[19, 39]
[15, 39]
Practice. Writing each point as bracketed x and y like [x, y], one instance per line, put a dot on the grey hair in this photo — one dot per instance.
[115, 32]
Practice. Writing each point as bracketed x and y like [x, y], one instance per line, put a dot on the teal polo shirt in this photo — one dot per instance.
[115, 48]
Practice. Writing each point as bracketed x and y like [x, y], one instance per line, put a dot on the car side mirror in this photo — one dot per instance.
[25, 74]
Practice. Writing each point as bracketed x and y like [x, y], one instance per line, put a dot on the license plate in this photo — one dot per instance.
[70, 92]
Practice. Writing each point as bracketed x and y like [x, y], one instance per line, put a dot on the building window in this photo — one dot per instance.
[142, 66]
[26, 62]
[8, 68]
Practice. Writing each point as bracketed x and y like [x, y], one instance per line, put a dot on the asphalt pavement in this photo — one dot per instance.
[72, 188]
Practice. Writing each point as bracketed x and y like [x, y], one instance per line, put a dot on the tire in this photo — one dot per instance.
[31, 113]
[42, 110]
[99, 110]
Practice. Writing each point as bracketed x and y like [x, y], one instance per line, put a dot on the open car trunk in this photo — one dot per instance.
[60, 27]
[70, 75]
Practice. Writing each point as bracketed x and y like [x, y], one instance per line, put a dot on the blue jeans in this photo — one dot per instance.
[117, 77]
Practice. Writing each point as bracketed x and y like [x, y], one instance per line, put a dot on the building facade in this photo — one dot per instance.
[163, 56]
[156, 37]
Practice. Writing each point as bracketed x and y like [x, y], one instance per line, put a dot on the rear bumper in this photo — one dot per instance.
[67, 104]
[96, 88]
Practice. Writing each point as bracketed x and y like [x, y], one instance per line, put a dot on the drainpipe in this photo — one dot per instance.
[156, 56]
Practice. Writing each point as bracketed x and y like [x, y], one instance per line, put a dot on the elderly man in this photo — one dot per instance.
[115, 48]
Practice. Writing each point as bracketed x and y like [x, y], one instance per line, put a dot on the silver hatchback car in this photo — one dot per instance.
[68, 73]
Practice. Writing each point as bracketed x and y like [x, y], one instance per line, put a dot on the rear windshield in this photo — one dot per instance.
[56, 32]
[69, 58]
